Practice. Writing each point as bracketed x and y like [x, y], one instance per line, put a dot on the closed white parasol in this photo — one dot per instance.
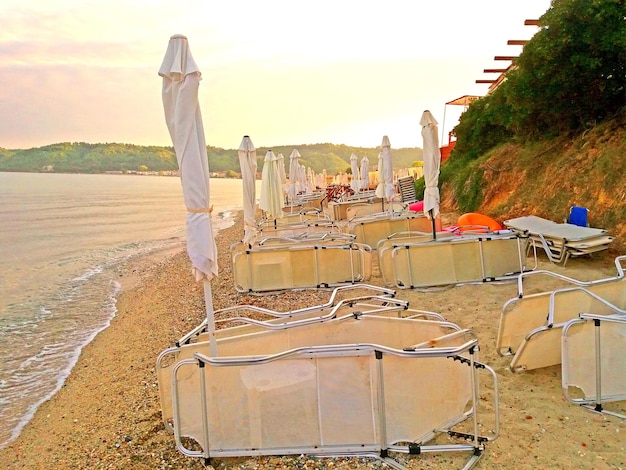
[271, 200]
[432, 162]
[248, 166]
[365, 173]
[283, 174]
[181, 80]
[385, 189]
[354, 166]
[293, 175]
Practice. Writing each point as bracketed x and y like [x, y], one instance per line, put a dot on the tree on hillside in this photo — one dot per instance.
[570, 75]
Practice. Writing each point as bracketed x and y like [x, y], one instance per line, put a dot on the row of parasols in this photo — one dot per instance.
[181, 78]
[274, 183]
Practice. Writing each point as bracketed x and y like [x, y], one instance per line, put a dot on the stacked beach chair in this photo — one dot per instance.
[561, 241]
[301, 222]
[362, 376]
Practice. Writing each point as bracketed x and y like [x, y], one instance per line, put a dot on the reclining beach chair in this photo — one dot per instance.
[297, 229]
[305, 202]
[359, 205]
[561, 241]
[593, 372]
[406, 186]
[385, 248]
[453, 260]
[364, 209]
[359, 385]
[531, 325]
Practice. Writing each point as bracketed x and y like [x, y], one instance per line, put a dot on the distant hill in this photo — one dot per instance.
[81, 157]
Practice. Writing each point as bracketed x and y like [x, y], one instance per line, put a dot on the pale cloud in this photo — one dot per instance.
[341, 71]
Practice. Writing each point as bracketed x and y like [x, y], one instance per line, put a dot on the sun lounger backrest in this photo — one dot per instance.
[406, 185]
[370, 230]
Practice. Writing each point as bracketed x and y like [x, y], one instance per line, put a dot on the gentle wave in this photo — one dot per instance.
[40, 375]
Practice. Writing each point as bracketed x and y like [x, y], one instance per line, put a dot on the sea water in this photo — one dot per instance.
[63, 239]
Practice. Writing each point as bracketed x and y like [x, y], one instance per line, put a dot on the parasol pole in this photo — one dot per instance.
[432, 218]
[210, 316]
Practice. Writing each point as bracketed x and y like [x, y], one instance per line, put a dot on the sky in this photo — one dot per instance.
[284, 72]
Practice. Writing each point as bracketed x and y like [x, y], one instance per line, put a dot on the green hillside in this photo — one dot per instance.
[81, 157]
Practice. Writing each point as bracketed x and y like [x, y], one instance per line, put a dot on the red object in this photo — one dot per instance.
[417, 206]
[445, 151]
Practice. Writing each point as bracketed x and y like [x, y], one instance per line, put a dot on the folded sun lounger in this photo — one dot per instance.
[361, 299]
[369, 230]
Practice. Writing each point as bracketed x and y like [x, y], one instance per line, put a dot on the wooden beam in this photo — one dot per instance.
[486, 81]
[505, 57]
[516, 42]
[495, 70]
[531, 23]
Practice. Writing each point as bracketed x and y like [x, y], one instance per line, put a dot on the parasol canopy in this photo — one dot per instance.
[385, 189]
[248, 166]
[354, 165]
[365, 173]
[271, 200]
[181, 81]
[432, 161]
[293, 174]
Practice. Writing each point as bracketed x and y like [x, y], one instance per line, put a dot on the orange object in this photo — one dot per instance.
[474, 219]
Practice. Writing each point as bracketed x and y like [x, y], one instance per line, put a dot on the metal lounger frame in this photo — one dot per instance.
[363, 305]
[457, 260]
[537, 313]
[593, 348]
[387, 386]
[300, 265]
[541, 347]
[561, 241]
[386, 245]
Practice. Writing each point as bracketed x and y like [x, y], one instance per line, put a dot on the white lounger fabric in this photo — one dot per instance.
[561, 241]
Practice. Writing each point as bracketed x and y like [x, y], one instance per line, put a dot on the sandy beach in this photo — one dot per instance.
[107, 415]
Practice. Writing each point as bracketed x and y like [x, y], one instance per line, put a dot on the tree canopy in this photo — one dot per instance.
[81, 157]
[569, 76]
